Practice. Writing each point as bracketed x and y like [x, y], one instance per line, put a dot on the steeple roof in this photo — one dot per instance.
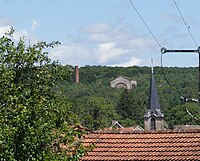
[154, 104]
[153, 95]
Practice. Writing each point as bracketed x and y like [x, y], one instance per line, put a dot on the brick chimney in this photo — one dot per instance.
[76, 79]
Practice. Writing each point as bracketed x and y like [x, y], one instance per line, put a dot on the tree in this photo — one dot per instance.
[95, 112]
[33, 117]
[185, 114]
[125, 108]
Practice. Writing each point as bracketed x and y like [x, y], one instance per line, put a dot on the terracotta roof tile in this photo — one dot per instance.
[161, 145]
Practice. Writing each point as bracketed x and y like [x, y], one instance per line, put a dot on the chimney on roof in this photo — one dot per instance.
[76, 79]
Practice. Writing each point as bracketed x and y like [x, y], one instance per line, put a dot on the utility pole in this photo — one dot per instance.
[164, 51]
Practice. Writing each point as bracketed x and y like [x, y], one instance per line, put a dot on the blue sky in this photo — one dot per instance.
[106, 32]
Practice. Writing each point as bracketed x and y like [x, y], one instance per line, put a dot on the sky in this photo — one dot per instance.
[107, 32]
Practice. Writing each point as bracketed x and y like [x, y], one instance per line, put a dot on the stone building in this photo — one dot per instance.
[153, 117]
[123, 82]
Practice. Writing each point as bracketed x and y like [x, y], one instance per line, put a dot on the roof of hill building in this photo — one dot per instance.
[123, 82]
[143, 145]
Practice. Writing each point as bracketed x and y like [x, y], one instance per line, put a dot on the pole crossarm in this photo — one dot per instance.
[164, 51]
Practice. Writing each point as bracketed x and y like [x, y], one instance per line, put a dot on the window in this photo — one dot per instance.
[153, 124]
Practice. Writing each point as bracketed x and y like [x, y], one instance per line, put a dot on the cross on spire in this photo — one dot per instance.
[152, 65]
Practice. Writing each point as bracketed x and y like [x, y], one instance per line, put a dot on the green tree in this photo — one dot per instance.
[96, 112]
[32, 115]
[185, 114]
[125, 108]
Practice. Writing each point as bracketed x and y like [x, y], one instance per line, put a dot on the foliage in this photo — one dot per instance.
[97, 113]
[179, 113]
[129, 107]
[32, 115]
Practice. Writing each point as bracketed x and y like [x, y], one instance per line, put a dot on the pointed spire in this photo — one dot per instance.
[153, 117]
[153, 96]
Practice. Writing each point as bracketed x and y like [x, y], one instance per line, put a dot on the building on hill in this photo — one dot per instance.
[123, 82]
[153, 117]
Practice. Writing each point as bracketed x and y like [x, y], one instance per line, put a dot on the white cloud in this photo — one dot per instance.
[4, 29]
[124, 37]
[17, 34]
[81, 54]
[98, 28]
[108, 51]
[20, 33]
[104, 44]
[35, 25]
[139, 43]
[72, 53]
[100, 37]
[132, 62]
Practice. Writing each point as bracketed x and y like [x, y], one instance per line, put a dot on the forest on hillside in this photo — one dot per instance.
[97, 104]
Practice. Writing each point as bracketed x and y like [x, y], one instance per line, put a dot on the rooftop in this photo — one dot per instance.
[143, 145]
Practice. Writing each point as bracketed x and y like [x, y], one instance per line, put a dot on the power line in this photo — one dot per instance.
[187, 27]
[163, 73]
[174, 89]
[145, 23]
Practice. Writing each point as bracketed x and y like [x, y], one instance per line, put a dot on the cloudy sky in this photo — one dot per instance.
[107, 32]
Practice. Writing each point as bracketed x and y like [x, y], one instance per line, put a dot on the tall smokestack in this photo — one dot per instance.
[76, 80]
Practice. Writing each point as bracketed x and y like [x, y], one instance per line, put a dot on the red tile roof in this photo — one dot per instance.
[157, 145]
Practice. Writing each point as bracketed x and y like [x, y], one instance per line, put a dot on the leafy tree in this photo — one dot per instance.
[95, 112]
[131, 106]
[125, 105]
[33, 117]
[185, 114]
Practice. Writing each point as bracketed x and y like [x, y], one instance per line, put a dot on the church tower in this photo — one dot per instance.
[153, 117]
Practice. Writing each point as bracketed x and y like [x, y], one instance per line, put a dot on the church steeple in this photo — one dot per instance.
[153, 117]
[153, 96]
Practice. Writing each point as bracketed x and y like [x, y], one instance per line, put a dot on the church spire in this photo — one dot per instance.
[153, 96]
[153, 116]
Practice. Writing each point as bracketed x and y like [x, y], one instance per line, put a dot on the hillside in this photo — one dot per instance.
[97, 104]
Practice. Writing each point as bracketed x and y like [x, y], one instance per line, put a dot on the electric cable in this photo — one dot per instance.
[175, 90]
[163, 73]
[187, 27]
[189, 113]
[145, 23]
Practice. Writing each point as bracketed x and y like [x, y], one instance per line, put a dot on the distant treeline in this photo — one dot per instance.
[97, 104]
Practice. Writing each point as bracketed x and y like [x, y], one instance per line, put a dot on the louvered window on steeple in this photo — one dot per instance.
[153, 124]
